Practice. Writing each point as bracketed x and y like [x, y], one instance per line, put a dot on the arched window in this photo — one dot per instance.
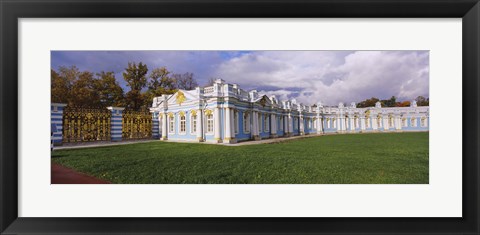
[193, 123]
[210, 123]
[171, 128]
[259, 123]
[424, 121]
[182, 124]
[280, 127]
[235, 121]
[266, 123]
[413, 122]
[246, 122]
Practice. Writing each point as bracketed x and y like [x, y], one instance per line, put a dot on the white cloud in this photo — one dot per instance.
[331, 76]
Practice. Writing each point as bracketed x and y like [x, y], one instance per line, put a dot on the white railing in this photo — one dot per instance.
[207, 90]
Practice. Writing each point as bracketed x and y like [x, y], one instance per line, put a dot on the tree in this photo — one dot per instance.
[159, 83]
[422, 101]
[368, 103]
[210, 82]
[62, 83]
[390, 102]
[185, 81]
[60, 88]
[84, 92]
[403, 104]
[135, 76]
[110, 92]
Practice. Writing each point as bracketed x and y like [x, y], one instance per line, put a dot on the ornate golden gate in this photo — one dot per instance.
[85, 124]
[136, 125]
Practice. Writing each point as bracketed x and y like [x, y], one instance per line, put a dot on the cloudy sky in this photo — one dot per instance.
[308, 76]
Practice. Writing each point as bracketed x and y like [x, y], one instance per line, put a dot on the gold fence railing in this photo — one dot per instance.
[86, 124]
[136, 125]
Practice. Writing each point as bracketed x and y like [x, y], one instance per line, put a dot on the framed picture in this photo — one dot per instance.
[239, 117]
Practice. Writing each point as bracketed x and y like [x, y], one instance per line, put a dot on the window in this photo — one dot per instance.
[295, 123]
[193, 123]
[379, 121]
[334, 123]
[209, 123]
[424, 122]
[356, 123]
[235, 121]
[266, 123]
[172, 124]
[259, 123]
[309, 123]
[246, 122]
[280, 127]
[390, 121]
[404, 122]
[182, 124]
[367, 122]
[314, 123]
[413, 122]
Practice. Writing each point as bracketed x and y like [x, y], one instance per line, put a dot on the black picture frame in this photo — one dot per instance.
[11, 11]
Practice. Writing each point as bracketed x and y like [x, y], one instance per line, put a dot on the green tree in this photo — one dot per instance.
[62, 84]
[160, 82]
[422, 101]
[110, 92]
[84, 91]
[390, 102]
[135, 76]
[60, 88]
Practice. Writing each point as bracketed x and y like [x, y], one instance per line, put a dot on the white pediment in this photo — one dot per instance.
[181, 97]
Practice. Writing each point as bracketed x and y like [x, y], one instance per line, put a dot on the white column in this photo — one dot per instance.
[319, 124]
[385, 123]
[352, 123]
[398, 122]
[200, 125]
[252, 125]
[374, 122]
[273, 127]
[232, 120]
[256, 131]
[164, 127]
[228, 125]
[290, 124]
[216, 120]
[302, 127]
[362, 123]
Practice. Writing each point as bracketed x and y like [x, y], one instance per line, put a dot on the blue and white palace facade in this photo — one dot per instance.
[225, 113]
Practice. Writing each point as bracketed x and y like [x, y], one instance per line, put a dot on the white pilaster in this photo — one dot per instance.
[351, 118]
[273, 127]
[216, 120]
[374, 122]
[362, 123]
[164, 126]
[229, 138]
[200, 126]
[302, 127]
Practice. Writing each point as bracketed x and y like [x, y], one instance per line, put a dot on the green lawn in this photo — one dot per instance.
[378, 158]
